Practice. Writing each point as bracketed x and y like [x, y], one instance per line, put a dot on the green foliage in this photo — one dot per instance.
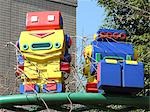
[142, 45]
[131, 15]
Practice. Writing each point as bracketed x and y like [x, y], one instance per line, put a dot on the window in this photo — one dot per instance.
[34, 19]
[51, 18]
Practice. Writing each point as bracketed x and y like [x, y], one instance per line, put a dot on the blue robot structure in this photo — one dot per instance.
[113, 64]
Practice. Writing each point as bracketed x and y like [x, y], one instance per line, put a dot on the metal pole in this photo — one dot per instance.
[77, 98]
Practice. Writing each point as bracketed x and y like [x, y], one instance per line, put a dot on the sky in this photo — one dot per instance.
[89, 17]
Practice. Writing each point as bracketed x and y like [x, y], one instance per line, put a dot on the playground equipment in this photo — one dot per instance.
[111, 65]
[43, 57]
[43, 53]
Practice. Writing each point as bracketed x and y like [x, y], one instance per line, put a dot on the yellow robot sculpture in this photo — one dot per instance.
[44, 55]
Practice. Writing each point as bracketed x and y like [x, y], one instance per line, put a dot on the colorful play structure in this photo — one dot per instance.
[44, 53]
[114, 76]
[111, 64]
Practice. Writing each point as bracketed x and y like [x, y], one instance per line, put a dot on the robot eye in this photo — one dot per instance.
[25, 46]
[51, 18]
[34, 19]
[57, 45]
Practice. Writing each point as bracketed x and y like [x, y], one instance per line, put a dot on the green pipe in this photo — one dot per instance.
[77, 98]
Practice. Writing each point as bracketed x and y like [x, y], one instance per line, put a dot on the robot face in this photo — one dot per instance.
[44, 20]
[47, 40]
[42, 44]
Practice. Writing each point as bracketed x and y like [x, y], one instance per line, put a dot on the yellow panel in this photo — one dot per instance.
[111, 61]
[94, 36]
[53, 65]
[49, 81]
[30, 70]
[53, 80]
[88, 51]
[42, 67]
[31, 81]
[86, 69]
[43, 58]
[91, 79]
[54, 75]
[131, 62]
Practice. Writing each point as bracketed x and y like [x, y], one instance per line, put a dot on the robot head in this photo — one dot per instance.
[44, 20]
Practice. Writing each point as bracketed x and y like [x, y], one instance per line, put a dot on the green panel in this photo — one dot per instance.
[128, 57]
[41, 46]
[98, 57]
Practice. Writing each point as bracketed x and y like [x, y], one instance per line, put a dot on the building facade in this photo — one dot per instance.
[12, 22]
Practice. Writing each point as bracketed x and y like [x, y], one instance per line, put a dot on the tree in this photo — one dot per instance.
[131, 15]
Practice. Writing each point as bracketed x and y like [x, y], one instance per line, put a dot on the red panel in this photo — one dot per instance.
[43, 20]
[19, 70]
[29, 87]
[41, 34]
[103, 35]
[51, 86]
[98, 72]
[109, 35]
[21, 67]
[93, 90]
[65, 67]
[91, 87]
[123, 36]
[115, 35]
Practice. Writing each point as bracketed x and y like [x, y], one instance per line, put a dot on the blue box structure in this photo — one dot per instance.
[110, 74]
[113, 49]
[115, 63]
[133, 75]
